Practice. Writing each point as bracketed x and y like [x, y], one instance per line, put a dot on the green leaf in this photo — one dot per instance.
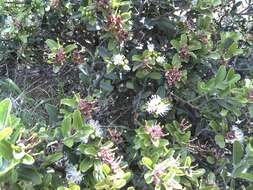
[77, 120]
[106, 169]
[161, 91]
[198, 172]
[88, 149]
[5, 133]
[246, 176]
[155, 75]
[237, 152]
[5, 109]
[69, 102]
[221, 74]
[28, 159]
[30, 175]
[18, 152]
[250, 108]
[184, 39]
[52, 113]
[219, 139]
[147, 162]
[214, 55]
[53, 158]
[130, 85]
[233, 50]
[10, 86]
[216, 2]
[126, 16]
[70, 48]
[195, 45]
[158, 187]
[66, 126]
[188, 161]
[175, 44]
[6, 166]
[112, 45]
[85, 165]
[148, 177]
[6, 150]
[106, 86]
[73, 186]
[141, 73]
[69, 142]
[137, 58]
[119, 183]
[52, 44]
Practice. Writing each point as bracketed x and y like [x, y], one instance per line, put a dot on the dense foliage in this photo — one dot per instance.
[126, 94]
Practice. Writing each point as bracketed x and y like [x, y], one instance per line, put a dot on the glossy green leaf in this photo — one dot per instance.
[77, 120]
[5, 109]
[147, 162]
[237, 152]
[52, 44]
[30, 175]
[219, 139]
[6, 132]
[70, 48]
[119, 183]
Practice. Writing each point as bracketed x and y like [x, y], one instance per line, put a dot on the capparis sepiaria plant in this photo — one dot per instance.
[128, 94]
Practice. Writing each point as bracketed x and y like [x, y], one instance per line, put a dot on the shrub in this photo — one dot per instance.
[167, 104]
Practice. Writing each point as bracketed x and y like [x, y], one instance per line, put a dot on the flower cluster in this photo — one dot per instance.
[86, 107]
[97, 127]
[108, 157]
[115, 25]
[235, 134]
[203, 38]
[121, 60]
[155, 132]
[77, 57]
[184, 124]
[60, 56]
[115, 136]
[173, 76]
[184, 53]
[158, 171]
[157, 106]
[161, 59]
[73, 175]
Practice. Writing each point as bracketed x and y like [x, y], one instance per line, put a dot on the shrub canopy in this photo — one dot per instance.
[126, 94]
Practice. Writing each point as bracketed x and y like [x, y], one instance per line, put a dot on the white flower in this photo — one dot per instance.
[97, 127]
[126, 67]
[118, 59]
[238, 121]
[157, 106]
[142, 20]
[153, 103]
[162, 109]
[237, 135]
[151, 47]
[73, 175]
[160, 59]
[140, 46]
